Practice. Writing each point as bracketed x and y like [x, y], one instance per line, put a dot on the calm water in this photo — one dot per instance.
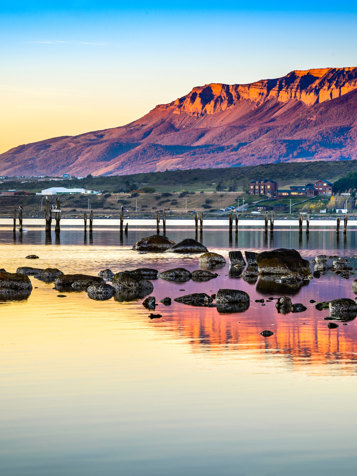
[97, 388]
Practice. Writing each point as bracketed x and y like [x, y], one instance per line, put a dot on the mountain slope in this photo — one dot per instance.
[306, 115]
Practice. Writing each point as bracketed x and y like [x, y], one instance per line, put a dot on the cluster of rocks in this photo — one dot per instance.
[340, 265]
[226, 300]
[160, 244]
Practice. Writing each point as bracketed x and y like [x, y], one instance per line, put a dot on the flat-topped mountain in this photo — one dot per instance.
[305, 115]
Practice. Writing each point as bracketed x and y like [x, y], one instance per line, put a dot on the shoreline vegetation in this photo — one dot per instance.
[181, 193]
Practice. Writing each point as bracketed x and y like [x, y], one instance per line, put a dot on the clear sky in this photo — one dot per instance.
[73, 66]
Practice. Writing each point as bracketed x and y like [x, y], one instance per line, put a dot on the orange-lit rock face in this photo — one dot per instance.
[310, 87]
[303, 116]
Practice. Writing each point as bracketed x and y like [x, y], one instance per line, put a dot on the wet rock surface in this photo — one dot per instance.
[29, 271]
[232, 300]
[189, 246]
[106, 274]
[130, 287]
[344, 308]
[166, 301]
[14, 286]
[100, 291]
[150, 303]
[251, 257]
[298, 307]
[48, 275]
[236, 258]
[284, 305]
[178, 275]
[154, 244]
[201, 275]
[268, 284]
[211, 260]
[75, 282]
[145, 273]
[250, 274]
[283, 262]
[195, 299]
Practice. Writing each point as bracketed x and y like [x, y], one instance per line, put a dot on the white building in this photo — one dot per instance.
[63, 190]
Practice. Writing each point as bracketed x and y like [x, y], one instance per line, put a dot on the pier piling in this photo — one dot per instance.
[121, 221]
[164, 222]
[58, 216]
[15, 218]
[158, 223]
[307, 224]
[91, 216]
[338, 223]
[345, 223]
[20, 212]
[300, 223]
[48, 217]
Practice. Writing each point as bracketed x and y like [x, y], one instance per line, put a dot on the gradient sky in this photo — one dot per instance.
[70, 67]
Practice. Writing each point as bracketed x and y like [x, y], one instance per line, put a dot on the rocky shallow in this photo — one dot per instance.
[279, 274]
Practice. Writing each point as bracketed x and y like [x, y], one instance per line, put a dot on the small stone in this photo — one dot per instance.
[332, 325]
[267, 333]
[61, 295]
[32, 257]
[150, 303]
[166, 301]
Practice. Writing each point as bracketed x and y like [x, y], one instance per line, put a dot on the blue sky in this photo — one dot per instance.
[68, 67]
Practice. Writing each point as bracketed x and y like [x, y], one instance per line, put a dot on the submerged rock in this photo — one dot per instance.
[100, 291]
[150, 303]
[154, 243]
[14, 286]
[322, 305]
[29, 271]
[236, 258]
[195, 299]
[211, 260]
[250, 274]
[48, 275]
[145, 273]
[284, 305]
[166, 301]
[178, 275]
[155, 316]
[106, 274]
[75, 282]
[232, 300]
[203, 275]
[130, 287]
[283, 262]
[189, 246]
[332, 325]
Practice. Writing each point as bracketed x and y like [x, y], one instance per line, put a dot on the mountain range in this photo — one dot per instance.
[303, 116]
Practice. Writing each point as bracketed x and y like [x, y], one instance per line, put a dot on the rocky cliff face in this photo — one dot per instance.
[305, 115]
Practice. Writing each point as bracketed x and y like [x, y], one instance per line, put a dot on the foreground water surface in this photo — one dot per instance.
[92, 388]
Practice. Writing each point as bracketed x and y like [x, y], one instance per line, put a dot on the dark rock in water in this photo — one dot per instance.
[155, 316]
[154, 243]
[129, 287]
[231, 295]
[283, 262]
[61, 295]
[106, 274]
[332, 325]
[179, 275]
[341, 264]
[211, 260]
[259, 300]
[14, 286]
[298, 307]
[232, 300]
[189, 246]
[354, 286]
[236, 258]
[251, 257]
[145, 273]
[195, 299]
[312, 301]
[322, 305]
[100, 291]
[201, 275]
[150, 303]
[268, 284]
[166, 301]
[329, 318]
[284, 305]
[235, 271]
[75, 282]
[316, 274]
[32, 257]
[343, 309]
[29, 271]
[250, 274]
[266, 333]
[48, 275]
